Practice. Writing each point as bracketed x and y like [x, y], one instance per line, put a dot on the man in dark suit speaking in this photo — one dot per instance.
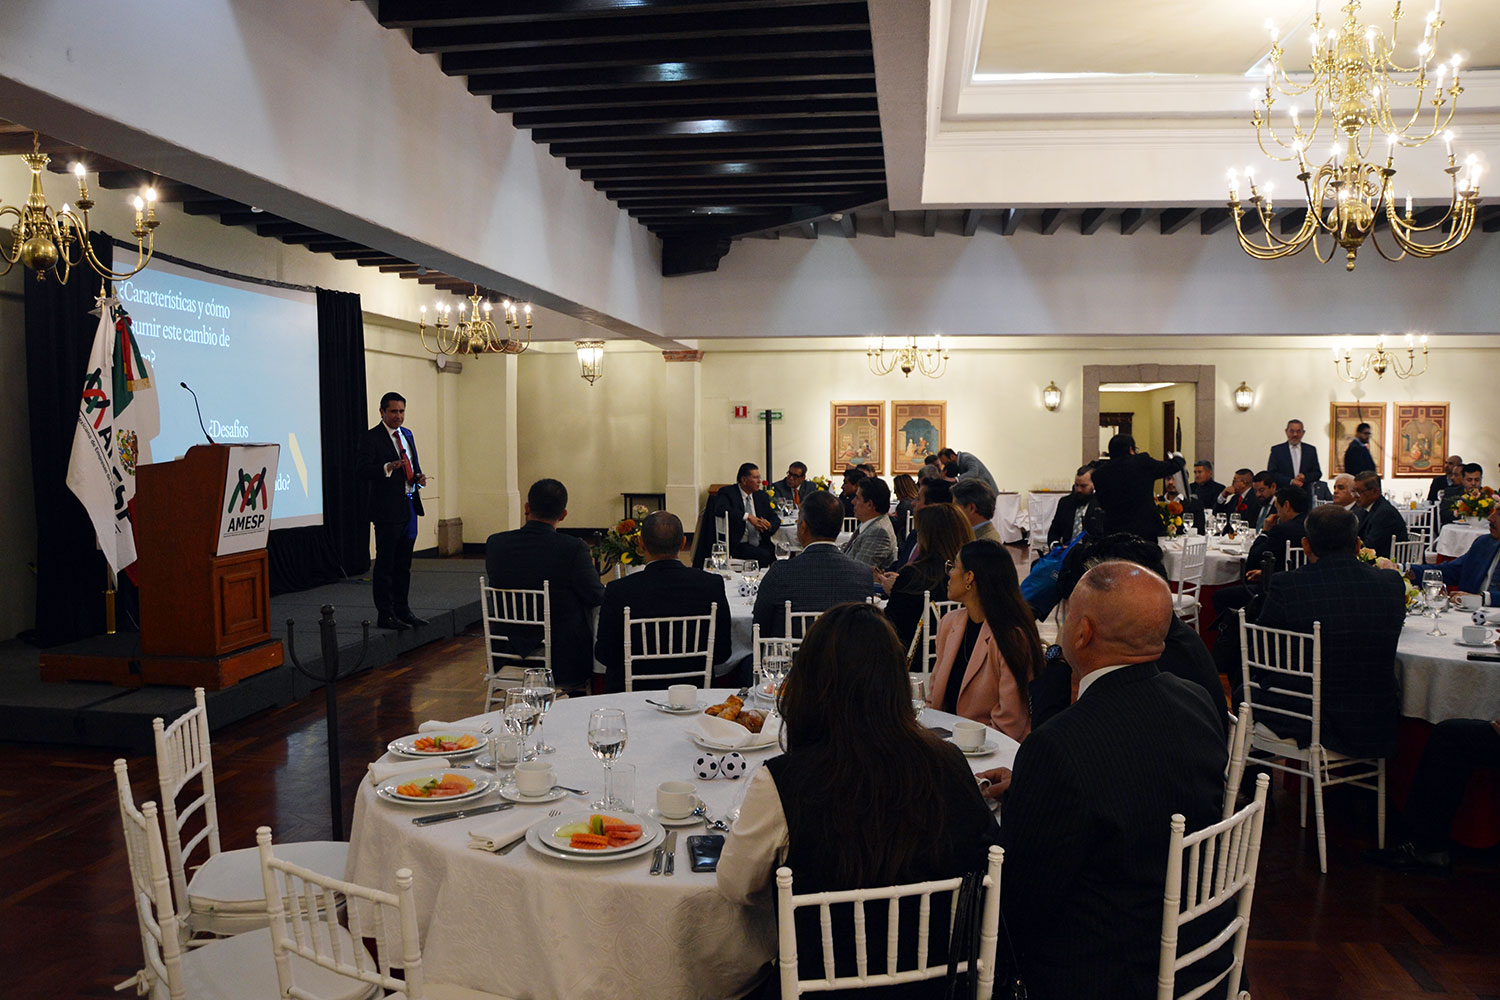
[1292, 462]
[386, 461]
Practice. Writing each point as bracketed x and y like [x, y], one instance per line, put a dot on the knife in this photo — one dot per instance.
[671, 858]
[460, 814]
[656, 858]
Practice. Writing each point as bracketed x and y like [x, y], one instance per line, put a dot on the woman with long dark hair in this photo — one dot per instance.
[988, 651]
[864, 796]
[942, 530]
[905, 491]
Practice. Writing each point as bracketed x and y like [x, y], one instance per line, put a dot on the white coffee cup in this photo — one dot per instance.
[682, 695]
[534, 777]
[505, 749]
[1476, 634]
[968, 735]
[1469, 602]
[676, 799]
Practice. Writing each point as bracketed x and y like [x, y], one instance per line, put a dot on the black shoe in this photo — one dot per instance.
[391, 622]
[412, 619]
[1408, 857]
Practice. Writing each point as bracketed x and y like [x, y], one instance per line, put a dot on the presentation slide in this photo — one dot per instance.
[250, 352]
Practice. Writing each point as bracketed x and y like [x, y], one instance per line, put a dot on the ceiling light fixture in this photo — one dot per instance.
[930, 361]
[1380, 361]
[1355, 81]
[590, 360]
[477, 334]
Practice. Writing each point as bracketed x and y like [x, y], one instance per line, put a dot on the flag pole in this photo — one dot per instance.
[109, 600]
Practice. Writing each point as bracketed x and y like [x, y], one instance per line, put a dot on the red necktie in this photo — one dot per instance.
[405, 458]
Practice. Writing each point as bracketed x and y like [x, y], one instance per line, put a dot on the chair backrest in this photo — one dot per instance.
[1194, 558]
[922, 653]
[151, 889]
[911, 521]
[1409, 553]
[787, 905]
[1239, 748]
[1296, 557]
[851, 525]
[684, 638]
[721, 529]
[762, 648]
[1280, 656]
[798, 622]
[182, 754]
[1218, 865]
[304, 909]
[506, 609]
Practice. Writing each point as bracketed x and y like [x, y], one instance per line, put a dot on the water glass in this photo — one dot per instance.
[520, 717]
[541, 689]
[719, 556]
[918, 696]
[607, 737]
[619, 792]
[1435, 592]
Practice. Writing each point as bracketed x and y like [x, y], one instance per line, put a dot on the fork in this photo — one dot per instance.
[517, 842]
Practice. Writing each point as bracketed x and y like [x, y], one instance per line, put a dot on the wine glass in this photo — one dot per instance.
[520, 717]
[607, 736]
[720, 556]
[541, 689]
[1435, 591]
[918, 696]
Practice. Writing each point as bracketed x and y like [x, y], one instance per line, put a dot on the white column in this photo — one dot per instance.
[450, 525]
[684, 411]
[490, 493]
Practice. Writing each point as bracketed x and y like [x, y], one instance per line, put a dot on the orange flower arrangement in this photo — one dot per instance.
[1170, 512]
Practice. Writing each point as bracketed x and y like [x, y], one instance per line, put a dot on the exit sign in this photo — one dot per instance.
[772, 414]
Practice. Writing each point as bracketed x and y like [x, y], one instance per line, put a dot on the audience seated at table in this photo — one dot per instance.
[1477, 571]
[966, 465]
[1264, 487]
[1203, 492]
[988, 650]
[1361, 610]
[1473, 481]
[664, 588]
[1343, 491]
[1183, 655]
[852, 477]
[1453, 475]
[977, 501]
[1285, 528]
[864, 796]
[819, 577]
[1294, 462]
[752, 521]
[1357, 457]
[1455, 748]
[794, 487]
[874, 541]
[941, 532]
[1073, 508]
[905, 489]
[1380, 523]
[930, 490]
[522, 559]
[1123, 486]
[1085, 822]
[1239, 496]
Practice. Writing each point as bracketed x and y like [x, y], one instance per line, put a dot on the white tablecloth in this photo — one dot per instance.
[1437, 679]
[1009, 516]
[1223, 565]
[522, 925]
[1454, 540]
[787, 535]
[1041, 508]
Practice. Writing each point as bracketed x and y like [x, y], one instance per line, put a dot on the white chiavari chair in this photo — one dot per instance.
[922, 652]
[911, 521]
[1296, 557]
[1188, 586]
[684, 639]
[1409, 553]
[721, 529]
[851, 525]
[223, 896]
[798, 622]
[1239, 747]
[505, 611]
[767, 648]
[1291, 667]
[224, 968]
[930, 898]
[1219, 863]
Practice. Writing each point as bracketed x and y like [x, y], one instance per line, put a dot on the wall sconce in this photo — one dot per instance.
[1244, 396]
[590, 359]
[1052, 396]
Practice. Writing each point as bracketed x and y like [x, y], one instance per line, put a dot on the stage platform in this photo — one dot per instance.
[80, 713]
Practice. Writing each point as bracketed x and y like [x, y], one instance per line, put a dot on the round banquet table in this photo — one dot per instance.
[523, 925]
[1041, 508]
[787, 535]
[1455, 538]
[1009, 517]
[1437, 679]
[1221, 567]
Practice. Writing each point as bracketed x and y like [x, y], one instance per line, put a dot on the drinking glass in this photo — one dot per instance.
[918, 696]
[720, 556]
[1435, 591]
[607, 736]
[520, 717]
[541, 688]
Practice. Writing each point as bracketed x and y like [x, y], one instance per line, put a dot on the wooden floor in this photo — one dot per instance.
[1358, 933]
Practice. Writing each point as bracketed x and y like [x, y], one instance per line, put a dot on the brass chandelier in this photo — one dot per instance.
[56, 242]
[1380, 361]
[931, 361]
[1355, 82]
[478, 334]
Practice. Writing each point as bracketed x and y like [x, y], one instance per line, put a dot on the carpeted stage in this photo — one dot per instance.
[444, 591]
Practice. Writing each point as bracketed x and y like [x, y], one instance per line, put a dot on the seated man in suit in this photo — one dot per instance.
[1361, 610]
[1088, 812]
[1357, 457]
[664, 589]
[1204, 491]
[1382, 523]
[1453, 475]
[1473, 481]
[1293, 462]
[752, 521]
[1239, 496]
[817, 579]
[1343, 491]
[852, 476]
[930, 490]
[524, 558]
[874, 541]
[1284, 529]
[1073, 508]
[967, 466]
[977, 501]
[1476, 571]
[1264, 487]
[795, 486]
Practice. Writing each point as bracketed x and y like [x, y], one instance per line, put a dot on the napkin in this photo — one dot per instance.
[734, 736]
[495, 840]
[381, 771]
[439, 726]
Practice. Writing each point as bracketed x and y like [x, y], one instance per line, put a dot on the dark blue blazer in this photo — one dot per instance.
[1357, 458]
[521, 560]
[1468, 570]
[1280, 464]
[1382, 524]
[385, 499]
[663, 589]
[815, 580]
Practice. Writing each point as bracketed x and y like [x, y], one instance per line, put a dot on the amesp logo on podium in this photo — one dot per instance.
[246, 517]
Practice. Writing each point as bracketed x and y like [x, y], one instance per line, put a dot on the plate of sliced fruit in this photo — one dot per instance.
[454, 743]
[434, 787]
[595, 836]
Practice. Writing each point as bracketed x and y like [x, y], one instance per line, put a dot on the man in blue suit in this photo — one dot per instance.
[1474, 572]
[1292, 462]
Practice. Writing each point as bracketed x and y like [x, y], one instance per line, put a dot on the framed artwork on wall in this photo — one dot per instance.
[858, 437]
[1343, 419]
[917, 430]
[1421, 440]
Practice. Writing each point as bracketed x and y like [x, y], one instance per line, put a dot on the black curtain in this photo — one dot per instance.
[309, 557]
[70, 569]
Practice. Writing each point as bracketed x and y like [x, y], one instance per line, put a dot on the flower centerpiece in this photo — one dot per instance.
[1475, 505]
[1367, 556]
[1170, 512]
[821, 483]
[1413, 594]
[771, 495]
[620, 545]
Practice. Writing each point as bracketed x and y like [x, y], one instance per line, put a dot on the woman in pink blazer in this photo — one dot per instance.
[988, 651]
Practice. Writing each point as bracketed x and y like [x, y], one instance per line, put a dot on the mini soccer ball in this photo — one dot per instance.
[706, 767]
[733, 765]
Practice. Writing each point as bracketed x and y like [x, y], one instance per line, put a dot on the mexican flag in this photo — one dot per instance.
[117, 418]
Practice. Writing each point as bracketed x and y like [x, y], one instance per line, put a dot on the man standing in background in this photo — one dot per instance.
[387, 461]
[1292, 462]
[966, 465]
[1357, 457]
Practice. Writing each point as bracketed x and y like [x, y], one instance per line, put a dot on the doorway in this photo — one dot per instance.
[1143, 391]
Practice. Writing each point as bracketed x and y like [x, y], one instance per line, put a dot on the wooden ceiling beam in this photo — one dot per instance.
[1010, 221]
[669, 75]
[871, 166]
[1213, 220]
[1092, 220]
[684, 94]
[1291, 222]
[1131, 220]
[929, 223]
[282, 227]
[567, 56]
[438, 13]
[848, 227]
[1175, 219]
[970, 224]
[789, 125]
[681, 201]
[1050, 221]
[213, 206]
[248, 218]
[770, 183]
[651, 114]
[725, 146]
[688, 158]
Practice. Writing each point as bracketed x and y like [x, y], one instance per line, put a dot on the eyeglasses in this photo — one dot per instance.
[948, 566]
[796, 475]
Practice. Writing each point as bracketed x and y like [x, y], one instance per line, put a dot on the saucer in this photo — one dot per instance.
[689, 820]
[509, 791]
[689, 710]
[1487, 644]
[990, 746]
[484, 761]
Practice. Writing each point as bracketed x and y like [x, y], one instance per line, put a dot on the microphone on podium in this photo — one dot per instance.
[200, 412]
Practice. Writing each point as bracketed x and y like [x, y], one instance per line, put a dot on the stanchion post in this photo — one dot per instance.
[328, 631]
